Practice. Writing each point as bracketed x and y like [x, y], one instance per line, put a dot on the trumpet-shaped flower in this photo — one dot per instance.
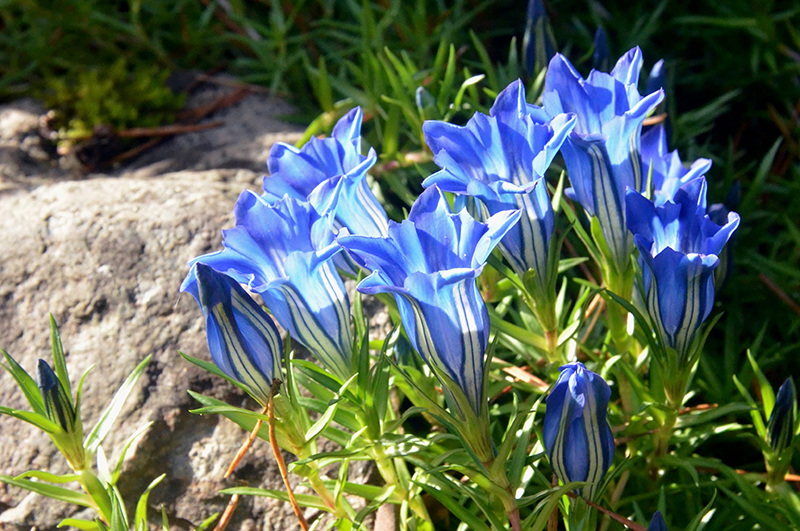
[284, 253]
[501, 159]
[243, 341]
[679, 249]
[577, 437]
[323, 163]
[429, 262]
[669, 173]
[602, 151]
[781, 428]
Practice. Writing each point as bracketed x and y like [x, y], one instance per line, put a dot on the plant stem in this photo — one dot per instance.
[387, 472]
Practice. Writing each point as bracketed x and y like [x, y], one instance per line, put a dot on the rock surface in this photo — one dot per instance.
[105, 254]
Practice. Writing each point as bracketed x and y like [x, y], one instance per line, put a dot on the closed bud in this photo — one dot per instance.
[577, 437]
[61, 411]
[780, 429]
[243, 340]
[56, 401]
[657, 523]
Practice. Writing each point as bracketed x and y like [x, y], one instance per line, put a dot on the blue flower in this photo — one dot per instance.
[601, 56]
[429, 262]
[669, 173]
[501, 159]
[284, 253]
[320, 165]
[657, 523]
[243, 341]
[602, 151]
[538, 42]
[718, 213]
[577, 437]
[60, 410]
[781, 428]
[657, 78]
[679, 249]
[57, 402]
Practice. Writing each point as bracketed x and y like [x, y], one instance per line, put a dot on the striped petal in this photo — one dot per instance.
[286, 252]
[499, 159]
[243, 341]
[429, 262]
[577, 437]
[781, 426]
[679, 249]
[306, 172]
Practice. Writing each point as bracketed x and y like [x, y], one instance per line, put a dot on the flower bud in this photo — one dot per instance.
[780, 429]
[577, 437]
[58, 404]
[243, 340]
[657, 523]
[61, 411]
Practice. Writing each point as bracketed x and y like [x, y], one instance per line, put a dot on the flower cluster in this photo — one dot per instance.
[318, 215]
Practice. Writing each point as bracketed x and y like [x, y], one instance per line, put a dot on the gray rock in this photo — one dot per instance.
[105, 255]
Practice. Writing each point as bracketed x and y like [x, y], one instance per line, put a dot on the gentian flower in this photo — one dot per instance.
[429, 262]
[602, 151]
[657, 523]
[284, 253]
[501, 159]
[57, 403]
[601, 56]
[781, 425]
[243, 341]
[320, 165]
[657, 78]
[60, 410]
[718, 213]
[538, 42]
[679, 249]
[577, 437]
[669, 173]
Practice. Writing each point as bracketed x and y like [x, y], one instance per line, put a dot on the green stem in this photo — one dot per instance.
[622, 285]
[670, 420]
[95, 488]
[323, 492]
[387, 472]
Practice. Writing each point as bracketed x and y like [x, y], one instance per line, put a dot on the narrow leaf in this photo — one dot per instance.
[113, 410]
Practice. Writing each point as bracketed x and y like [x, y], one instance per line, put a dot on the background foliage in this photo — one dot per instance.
[733, 96]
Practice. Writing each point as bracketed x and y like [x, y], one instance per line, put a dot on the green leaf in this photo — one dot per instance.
[213, 369]
[321, 423]
[140, 516]
[205, 524]
[694, 525]
[305, 500]
[451, 502]
[755, 414]
[113, 410]
[767, 394]
[118, 468]
[26, 384]
[755, 189]
[47, 476]
[447, 80]
[84, 525]
[51, 491]
[59, 361]
[40, 421]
